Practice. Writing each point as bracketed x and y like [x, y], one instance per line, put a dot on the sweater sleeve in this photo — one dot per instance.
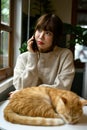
[65, 73]
[25, 71]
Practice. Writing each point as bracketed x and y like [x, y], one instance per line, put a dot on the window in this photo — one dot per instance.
[6, 38]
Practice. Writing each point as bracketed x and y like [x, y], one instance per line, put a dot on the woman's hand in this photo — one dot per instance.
[29, 44]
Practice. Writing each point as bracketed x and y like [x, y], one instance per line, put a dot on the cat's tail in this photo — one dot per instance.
[26, 120]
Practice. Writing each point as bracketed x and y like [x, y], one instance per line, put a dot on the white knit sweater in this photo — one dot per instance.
[52, 69]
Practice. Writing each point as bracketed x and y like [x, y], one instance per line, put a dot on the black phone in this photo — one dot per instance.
[34, 45]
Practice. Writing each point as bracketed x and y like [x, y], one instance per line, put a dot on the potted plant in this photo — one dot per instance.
[79, 35]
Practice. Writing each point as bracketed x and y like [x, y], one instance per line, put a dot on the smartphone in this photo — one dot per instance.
[34, 45]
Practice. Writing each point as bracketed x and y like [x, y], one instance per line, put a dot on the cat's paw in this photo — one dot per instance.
[12, 93]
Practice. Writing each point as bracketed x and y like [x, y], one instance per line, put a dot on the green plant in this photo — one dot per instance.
[1, 52]
[23, 48]
[78, 34]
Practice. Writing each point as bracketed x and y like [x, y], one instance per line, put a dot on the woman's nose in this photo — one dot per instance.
[41, 35]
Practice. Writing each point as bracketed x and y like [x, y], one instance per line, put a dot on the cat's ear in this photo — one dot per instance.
[61, 104]
[64, 100]
[83, 102]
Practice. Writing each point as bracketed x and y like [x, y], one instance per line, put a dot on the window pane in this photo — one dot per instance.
[5, 11]
[4, 51]
[82, 18]
[82, 4]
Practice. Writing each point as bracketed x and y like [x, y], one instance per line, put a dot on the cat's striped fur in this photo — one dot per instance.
[44, 106]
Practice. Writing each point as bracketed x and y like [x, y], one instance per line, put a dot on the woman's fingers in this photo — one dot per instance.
[29, 44]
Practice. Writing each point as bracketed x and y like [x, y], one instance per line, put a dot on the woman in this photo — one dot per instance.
[48, 64]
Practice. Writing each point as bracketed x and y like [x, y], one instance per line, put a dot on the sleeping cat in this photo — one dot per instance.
[44, 106]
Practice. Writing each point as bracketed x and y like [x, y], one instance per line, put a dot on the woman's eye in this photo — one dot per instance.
[48, 33]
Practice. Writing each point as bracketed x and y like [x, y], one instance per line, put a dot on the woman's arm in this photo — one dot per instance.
[25, 71]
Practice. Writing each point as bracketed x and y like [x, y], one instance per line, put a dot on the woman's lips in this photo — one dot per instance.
[40, 43]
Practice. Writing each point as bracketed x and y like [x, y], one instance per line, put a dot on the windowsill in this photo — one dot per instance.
[6, 84]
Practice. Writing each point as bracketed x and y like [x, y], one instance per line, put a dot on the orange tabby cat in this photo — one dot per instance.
[44, 106]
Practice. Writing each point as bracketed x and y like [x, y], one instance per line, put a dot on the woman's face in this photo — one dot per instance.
[44, 40]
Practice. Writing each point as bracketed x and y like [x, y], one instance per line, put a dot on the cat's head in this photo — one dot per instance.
[70, 108]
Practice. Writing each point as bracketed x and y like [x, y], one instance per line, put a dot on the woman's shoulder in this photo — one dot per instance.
[63, 50]
[24, 55]
[64, 53]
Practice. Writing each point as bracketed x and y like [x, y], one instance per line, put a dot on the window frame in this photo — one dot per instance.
[8, 71]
